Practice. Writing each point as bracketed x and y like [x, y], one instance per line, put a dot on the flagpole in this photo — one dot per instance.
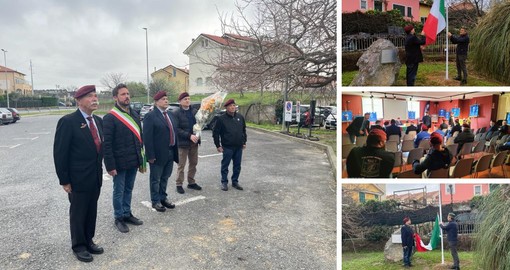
[447, 48]
[440, 221]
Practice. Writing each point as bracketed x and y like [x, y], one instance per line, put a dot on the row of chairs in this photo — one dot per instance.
[464, 167]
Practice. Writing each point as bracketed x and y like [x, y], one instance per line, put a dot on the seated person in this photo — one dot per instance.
[412, 127]
[424, 134]
[377, 125]
[441, 132]
[504, 145]
[457, 127]
[503, 130]
[371, 161]
[492, 128]
[465, 136]
[393, 129]
[438, 157]
[444, 125]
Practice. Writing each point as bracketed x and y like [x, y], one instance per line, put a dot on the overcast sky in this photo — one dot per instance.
[77, 42]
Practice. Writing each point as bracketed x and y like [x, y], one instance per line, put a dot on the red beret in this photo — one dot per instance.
[465, 125]
[84, 90]
[378, 133]
[424, 127]
[408, 28]
[183, 95]
[159, 95]
[436, 138]
[406, 219]
[230, 101]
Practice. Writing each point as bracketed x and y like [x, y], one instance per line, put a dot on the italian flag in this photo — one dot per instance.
[436, 22]
[434, 239]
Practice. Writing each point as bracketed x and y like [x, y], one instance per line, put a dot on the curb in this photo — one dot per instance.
[326, 148]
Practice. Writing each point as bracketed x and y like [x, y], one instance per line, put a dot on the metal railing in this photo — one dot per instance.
[361, 42]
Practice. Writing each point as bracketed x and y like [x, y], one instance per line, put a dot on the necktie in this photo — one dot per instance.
[93, 131]
[171, 127]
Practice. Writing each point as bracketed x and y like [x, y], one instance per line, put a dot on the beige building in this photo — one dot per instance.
[14, 82]
[175, 75]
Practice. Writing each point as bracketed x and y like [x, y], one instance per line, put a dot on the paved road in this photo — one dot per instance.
[284, 219]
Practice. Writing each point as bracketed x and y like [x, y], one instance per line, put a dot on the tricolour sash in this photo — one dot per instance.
[128, 121]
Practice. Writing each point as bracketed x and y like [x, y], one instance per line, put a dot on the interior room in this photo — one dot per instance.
[484, 114]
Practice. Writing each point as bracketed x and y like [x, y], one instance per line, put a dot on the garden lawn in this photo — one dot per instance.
[421, 260]
[433, 74]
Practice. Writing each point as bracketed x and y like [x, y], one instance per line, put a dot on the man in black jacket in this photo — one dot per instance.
[122, 155]
[188, 143]
[230, 139]
[78, 156]
[407, 236]
[456, 127]
[451, 235]
[359, 127]
[438, 157]
[464, 137]
[427, 120]
[161, 148]
[411, 127]
[462, 41]
[413, 53]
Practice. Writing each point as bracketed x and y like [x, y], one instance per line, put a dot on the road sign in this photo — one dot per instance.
[288, 111]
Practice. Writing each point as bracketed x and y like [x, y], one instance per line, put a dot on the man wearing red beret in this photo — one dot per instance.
[438, 157]
[407, 236]
[229, 135]
[78, 156]
[161, 149]
[371, 160]
[413, 53]
[188, 143]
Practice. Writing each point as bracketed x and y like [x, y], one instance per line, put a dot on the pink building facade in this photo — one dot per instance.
[462, 192]
[410, 9]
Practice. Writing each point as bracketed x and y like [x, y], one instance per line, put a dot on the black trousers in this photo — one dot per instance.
[82, 218]
[460, 61]
[411, 71]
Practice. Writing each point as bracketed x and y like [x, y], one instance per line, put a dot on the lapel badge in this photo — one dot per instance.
[83, 125]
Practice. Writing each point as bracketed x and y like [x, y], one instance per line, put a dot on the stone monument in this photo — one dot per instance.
[379, 65]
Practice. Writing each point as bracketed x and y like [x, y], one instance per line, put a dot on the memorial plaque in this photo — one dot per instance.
[388, 56]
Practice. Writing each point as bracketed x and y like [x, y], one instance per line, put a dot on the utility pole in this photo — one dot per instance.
[6, 83]
[147, 57]
[31, 76]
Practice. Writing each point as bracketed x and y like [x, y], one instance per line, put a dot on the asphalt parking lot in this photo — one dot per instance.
[284, 219]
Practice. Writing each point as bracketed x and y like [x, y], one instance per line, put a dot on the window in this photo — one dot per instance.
[450, 188]
[378, 5]
[363, 4]
[373, 105]
[376, 197]
[423, 19]
[414, 106]
[175, 72]
[362, 197]
[205, 42]
[400, 8]
[200, 82]
[208, 81]
[409, 12]
[478, 190]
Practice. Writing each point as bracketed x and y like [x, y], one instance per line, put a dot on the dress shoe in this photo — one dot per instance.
[83, 256]
[123, 228]
[180, 190]
[95, 249]
[194, 186]
[166, 203]
[463, 82]
[237, 186]
[457, 78]
[133, 220]
[158, 207]
[224, 187]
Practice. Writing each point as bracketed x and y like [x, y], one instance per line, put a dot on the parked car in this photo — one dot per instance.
[6, 116]
[144, 110]
[136, 106]
[15, 114]
[331, 120]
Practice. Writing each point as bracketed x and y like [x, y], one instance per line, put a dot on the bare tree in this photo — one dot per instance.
[111, 80]
[284, 39]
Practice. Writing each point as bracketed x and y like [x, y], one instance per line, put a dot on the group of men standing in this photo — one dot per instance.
[83, 139]
[414, 56]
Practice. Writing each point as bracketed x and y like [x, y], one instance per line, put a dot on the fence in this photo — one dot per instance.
[361, 42]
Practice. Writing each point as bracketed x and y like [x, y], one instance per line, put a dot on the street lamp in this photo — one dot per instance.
[147, 57]
[6, 83]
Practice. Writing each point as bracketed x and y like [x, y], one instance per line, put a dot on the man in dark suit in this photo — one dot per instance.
[161, 148]
[427, 120]
[78, 156]
[359, 127]
[411, 127]
[407, 236]
[413, 53]
[393, 129]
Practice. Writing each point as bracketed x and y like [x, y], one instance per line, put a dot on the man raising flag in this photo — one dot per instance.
[436, 21]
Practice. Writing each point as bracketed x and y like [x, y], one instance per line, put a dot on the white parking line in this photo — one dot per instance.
[213, 155]
[14, 146]
[25, 138]
[34, 138]
[185, 201]
[40, 133]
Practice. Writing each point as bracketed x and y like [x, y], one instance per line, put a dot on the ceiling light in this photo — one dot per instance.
[385, 95]
[394, 97]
